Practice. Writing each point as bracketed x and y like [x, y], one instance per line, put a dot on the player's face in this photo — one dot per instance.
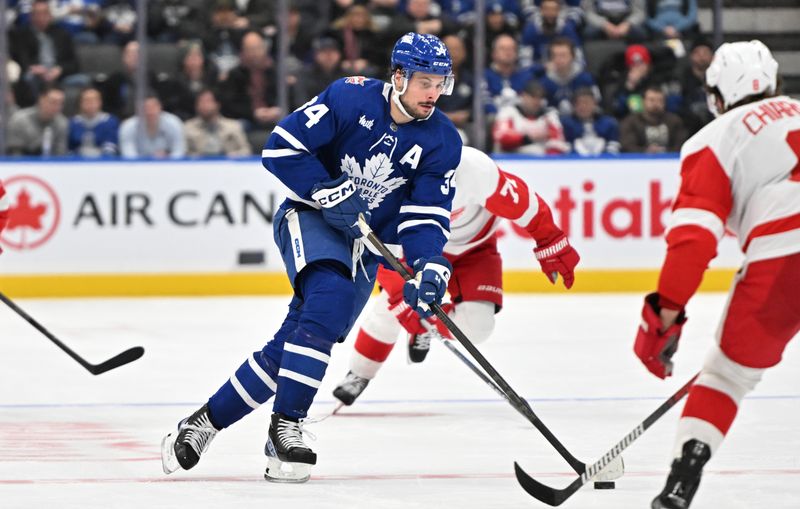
[421, 94]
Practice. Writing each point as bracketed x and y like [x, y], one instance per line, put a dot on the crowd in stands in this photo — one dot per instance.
[561, 76]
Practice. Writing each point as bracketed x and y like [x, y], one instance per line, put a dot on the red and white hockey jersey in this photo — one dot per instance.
[741, 172]
[5, 203]
[485, 193]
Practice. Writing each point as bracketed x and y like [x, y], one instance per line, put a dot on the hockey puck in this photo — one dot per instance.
[604, 485]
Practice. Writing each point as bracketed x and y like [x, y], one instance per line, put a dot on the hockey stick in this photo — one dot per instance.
[125, 357]
[516, 401]
[554, 497]
[463, 358]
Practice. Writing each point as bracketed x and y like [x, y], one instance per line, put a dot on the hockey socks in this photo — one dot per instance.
[249, 387]
[303, 365]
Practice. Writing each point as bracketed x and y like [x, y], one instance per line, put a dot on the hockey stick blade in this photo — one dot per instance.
[121, 359]
[555, 497]
[125, 357]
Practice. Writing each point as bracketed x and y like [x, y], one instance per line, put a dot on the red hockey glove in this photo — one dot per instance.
[411, 322]
[558, 257]
[653, 346]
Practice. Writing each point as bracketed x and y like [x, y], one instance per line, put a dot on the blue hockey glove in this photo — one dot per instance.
[341, 204]
[428, 285]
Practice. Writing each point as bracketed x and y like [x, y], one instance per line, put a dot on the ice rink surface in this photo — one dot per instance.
[422, 436]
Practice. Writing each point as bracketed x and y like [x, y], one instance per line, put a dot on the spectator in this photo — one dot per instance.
[176, 20]
[211, 134]
[80, 18]
[223, 40]
[324, 70]
[39, 129]
[502, 16]
[256, 14]
[504, 73]
[93, 132]
[573, 8]
[362, 49]
[564, 74]
[694, 109]
[458, 105]
[195, 75]
[250, 90]
[587, 130]
[119, 90]
[614, 19]
[427, 18]
[118, 21]
[653, 130]
[43, 50]
[547, 23]
[499, 21]
[672, 19]
[628, 94]
[300, 42]
[529, 127]
[160, 137]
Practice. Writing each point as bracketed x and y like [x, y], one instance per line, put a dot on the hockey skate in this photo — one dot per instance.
[684, 478]
[420, 344]
[182, 448]
[290, 458]
[350, 389]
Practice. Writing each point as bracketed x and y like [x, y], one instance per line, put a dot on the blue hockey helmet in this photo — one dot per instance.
[424, 53]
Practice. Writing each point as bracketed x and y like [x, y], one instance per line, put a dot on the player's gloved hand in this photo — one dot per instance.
[428, 285]
[341, 204]
[556, 257]
[654, 346]
[412, 322]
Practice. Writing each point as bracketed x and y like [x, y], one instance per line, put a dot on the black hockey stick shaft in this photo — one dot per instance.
[475, 369]
[516, 401]
[554, 497]
[121, 359]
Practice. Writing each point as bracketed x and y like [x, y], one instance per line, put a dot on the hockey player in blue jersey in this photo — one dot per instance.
[361, 147]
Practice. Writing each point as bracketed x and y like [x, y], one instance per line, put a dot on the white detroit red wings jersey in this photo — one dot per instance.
[741, 171]
[750, 157]
[483, 194]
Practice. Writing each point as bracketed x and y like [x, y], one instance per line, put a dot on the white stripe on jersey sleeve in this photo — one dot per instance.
[416, 222]
[533, 209]
[289, 137]
[281, 152]
[420, 209]
[697, 217]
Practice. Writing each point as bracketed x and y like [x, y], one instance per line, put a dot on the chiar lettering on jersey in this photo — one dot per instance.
[769, 111]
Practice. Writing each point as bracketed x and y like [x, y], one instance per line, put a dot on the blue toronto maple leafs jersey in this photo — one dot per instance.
[403, 171]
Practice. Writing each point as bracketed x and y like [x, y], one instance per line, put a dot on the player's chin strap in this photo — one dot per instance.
[396, 99]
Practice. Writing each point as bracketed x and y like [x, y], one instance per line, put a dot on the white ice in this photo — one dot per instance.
[422, 436]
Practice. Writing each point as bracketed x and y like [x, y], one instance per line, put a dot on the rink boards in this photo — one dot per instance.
[205, 227]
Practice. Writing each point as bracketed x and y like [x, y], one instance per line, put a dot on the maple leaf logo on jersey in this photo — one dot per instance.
[373, 179]
[356, 80]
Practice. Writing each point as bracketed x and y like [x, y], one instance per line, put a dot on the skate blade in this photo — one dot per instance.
[285, 472]
[169, 462]
[612, 471]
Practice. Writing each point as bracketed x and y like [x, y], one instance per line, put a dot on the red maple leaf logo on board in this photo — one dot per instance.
[24, 214]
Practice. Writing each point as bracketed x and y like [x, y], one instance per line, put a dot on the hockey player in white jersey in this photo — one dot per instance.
[484, 195]
[5, 204]
[739, 172]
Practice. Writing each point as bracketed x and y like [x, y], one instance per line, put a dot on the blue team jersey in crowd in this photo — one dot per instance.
[600, 136]
[404, 171]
